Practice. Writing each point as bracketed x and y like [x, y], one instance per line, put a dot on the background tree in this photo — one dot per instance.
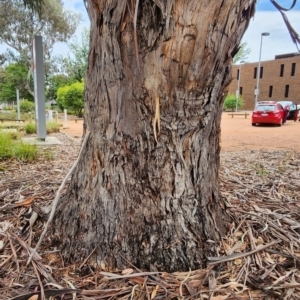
[2, 80]
[230, 102]
[33, 5]
[75, 63]
[12, 77]
[54, 82]
[242, 53]
[71, 97]
[53, 23]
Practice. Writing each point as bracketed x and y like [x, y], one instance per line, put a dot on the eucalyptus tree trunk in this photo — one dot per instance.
[146, 187]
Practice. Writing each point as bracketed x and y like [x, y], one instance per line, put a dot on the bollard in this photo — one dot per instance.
[50, 115]
[65, 119]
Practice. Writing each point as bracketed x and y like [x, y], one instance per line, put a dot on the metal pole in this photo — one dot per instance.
[39, 87]
[18, 105]
[238, 89]
[258, 69]
[258, 74]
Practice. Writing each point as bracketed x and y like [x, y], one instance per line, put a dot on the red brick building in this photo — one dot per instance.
[279, 80]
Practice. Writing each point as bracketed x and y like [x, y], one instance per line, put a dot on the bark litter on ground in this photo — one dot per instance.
[258, 259]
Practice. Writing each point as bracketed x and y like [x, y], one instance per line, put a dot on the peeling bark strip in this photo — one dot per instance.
[146, 186]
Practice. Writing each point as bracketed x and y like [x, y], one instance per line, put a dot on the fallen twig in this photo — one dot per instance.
[218, 260]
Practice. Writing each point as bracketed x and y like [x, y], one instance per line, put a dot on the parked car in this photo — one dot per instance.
[293, 108]
[268, 112]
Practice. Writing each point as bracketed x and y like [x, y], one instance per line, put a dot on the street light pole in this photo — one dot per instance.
[258, 69]
[237, 94]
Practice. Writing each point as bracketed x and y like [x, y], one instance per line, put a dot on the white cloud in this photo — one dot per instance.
[278, 42]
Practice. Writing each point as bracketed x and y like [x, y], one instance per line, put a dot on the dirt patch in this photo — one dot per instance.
[237, 133]
[73, 128]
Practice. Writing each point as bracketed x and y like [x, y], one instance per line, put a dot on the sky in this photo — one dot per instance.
[267, 19]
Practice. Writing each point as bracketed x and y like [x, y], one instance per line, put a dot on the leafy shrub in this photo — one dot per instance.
[26, 106]
[230, 102]
[71, 97]
[30, 128]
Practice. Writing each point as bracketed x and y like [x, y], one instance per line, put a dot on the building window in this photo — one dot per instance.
[261, 72]
[241, 90]
[255, 72]
[270, 91]
[286, 93]
[293, 69]
[281, 70]
[238, 74]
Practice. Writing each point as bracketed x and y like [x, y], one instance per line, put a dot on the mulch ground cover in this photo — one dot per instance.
[259, 258]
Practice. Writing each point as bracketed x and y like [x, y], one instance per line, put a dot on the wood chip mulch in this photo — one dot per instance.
[259, 258]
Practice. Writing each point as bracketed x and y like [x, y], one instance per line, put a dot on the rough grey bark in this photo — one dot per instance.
[146, 187]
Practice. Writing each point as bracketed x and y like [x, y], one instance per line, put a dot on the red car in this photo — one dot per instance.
[268, 112]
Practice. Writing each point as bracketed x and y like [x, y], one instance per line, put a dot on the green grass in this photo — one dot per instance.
[12, 125]
[47, 154]
[5, 146]
[51, 127]
[25, 152]
[13, 115]
[11, 147]
[30, 128]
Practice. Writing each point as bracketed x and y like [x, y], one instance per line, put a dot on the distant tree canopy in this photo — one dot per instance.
[75, 63]
[34, 5]
[53, 23]
[12, 77]
[54, 82]
[242, 53]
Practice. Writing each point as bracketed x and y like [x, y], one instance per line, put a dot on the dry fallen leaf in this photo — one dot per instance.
[153, 294]
[238, 261]
[212, 282]
[138, 280]
[127, 271]
[220, 297]
[195, 283]
[1, 245]
[27, 202]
